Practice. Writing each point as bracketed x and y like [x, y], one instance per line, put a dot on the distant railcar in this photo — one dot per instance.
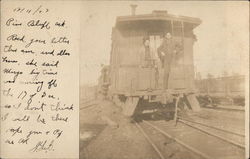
[222, 90]
[132, 83]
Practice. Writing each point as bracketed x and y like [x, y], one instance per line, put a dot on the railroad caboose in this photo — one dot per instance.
[131, 82]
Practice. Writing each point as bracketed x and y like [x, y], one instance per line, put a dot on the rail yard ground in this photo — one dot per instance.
[106, 134]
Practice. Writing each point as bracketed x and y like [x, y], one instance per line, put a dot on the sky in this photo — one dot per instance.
[223, 36]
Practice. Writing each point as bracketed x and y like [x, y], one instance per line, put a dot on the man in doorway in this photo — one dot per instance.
[145, 53]
[165, 53]
[147, 60]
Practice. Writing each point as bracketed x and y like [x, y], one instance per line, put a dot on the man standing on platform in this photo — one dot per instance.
[165, 53]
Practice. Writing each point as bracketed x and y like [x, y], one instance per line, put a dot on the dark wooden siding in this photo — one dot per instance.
[126, 76]
[232, 85]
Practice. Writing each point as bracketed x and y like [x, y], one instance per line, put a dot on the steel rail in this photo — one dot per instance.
[90, 105]
[225, 109]
[212, 134]
[87, 101]
[150, 141]
[180, 142]
[210, 126]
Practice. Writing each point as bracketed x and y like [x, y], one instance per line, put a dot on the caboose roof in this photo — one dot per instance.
[158, 15]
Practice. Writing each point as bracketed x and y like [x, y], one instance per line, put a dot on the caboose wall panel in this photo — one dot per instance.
[146, 78]
[182, 73]
[128, 45]
[176, 77]
[126, 54]
[188, 49]
[134, 79]
[188, 62]
[127, 79]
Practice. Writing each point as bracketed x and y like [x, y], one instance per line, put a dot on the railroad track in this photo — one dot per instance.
[232, 137]
[225, 108]
[88, 104]
[175, 149]
[192, 141]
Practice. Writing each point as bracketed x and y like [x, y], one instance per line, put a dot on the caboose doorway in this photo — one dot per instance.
[157, 71]
[149, 75]
[155, 42]
[152, 75]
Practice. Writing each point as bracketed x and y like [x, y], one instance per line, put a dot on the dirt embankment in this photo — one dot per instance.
[106, 134]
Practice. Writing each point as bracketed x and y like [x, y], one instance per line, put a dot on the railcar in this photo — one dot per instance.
[226, 90]
[133, 84]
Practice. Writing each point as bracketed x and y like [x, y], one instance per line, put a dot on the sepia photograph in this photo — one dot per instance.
[124, 79]
[164, 80]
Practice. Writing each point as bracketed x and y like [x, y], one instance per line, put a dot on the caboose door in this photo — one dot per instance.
[155, 42]
[148, 75]
[177, 78]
